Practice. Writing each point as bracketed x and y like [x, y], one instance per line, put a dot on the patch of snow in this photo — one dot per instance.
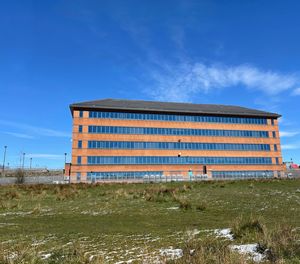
[171, 253]
[13, 255]
[192, 251]
[126, 261]
[15, 213]
[7, 224]
[249, 249]
[46, 256]
[173, 208]
[225, 233]
[192, 233]
[93, 213]
[37, 243]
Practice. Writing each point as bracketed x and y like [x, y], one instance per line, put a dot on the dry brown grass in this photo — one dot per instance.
[183, 202]
[23, 254]
[202, 206]
[248, 227]
[20, 176]
[281, 244]
[65, 192]
[209, 250]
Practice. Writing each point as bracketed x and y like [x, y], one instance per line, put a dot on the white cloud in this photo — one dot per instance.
[35, 129]
[288, 133]
[19, 135]
[290, 146]
[296, 91]
[181, 82]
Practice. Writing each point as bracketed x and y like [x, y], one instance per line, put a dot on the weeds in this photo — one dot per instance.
[281, 243]
[183, 203]
[65, 192]
[155, 198]
[20, 176]
[201, 206]
[12, 194]
[209, 250]
[22, 253]
[37, 209]
[114, 225]
[248, 227]
[9, 205]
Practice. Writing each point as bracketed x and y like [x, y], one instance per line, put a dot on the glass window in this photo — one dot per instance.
[174, 131]
[242, 174]
[79, 143]
[78, 176]
[79, 160]
[80, 128]
[176, 118]
[175, 145]
[80, 113]
[176, 160]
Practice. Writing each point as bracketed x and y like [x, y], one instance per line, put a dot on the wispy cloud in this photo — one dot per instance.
[181, 82]
[288, 133]
[296, 91]
[35, 129]
[290, 146]
[280, 120]
[18, 135]
[46, 156]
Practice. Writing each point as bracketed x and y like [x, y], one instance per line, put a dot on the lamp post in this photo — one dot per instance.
[23, 160]
[4, 156]
[30, 163]
[65, 158]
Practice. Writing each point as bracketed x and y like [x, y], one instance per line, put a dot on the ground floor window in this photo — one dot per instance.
[242, 174]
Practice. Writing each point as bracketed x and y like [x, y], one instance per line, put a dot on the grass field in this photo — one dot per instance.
[139, 223]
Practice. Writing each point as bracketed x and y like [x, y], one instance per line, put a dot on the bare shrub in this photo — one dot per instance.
[155, 198]
[187, 187]
[248, 226]
[20, 176]
[183, 203]
[201, 206]
[12, 194]
[159, 193]
[65, 192]
[37, 209]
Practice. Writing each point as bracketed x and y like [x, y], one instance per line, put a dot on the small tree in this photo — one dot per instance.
[20, 176]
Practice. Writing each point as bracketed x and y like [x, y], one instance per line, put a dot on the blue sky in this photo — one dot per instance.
[54, 53]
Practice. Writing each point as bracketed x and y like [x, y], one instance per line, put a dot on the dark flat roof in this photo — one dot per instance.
[168, 107]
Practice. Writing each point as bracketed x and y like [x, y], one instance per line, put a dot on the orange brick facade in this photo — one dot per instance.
[84, 151]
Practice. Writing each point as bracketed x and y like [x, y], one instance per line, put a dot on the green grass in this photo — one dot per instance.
[133, 221]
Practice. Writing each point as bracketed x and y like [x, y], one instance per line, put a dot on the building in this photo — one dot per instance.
[130, 139]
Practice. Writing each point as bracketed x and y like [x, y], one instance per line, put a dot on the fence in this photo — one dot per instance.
[294, 173]
[167, 176]
[179, 176]
[33, 180]
[176, 176]
[158, 176]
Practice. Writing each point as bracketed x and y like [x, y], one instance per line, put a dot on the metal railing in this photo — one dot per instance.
[292, 173]
[179, 176]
